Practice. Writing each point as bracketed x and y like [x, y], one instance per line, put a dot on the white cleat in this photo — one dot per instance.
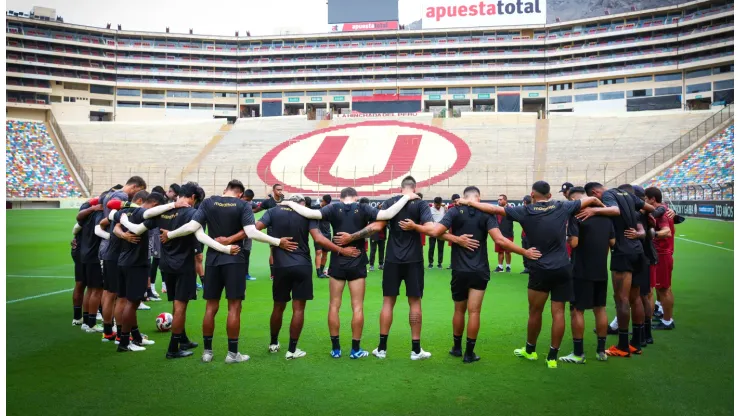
[293, 355]
[233, 358]
[207, 356]
[143, 307]
[274, 348]
[422, 355]
[97, 328]
[99, 317]
[164, 287]
[380, 354]
[135, 348]
[77, 322]
[154, 292]
[85, 327]
[146, 341]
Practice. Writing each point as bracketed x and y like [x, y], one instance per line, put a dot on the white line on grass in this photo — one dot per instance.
[40, 277]
[705, 244]
[38, 296]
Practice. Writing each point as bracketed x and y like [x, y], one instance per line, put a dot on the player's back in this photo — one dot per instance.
[284, 222]
[628, 217]
[178, 251]
[349, 218]
[224, 216]
[405, 246]
[590, 256]
[134, 254]
[461, 220]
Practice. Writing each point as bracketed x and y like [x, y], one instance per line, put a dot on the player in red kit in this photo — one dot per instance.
[664, 240]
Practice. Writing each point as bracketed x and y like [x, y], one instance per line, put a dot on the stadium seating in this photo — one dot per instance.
[33, 166]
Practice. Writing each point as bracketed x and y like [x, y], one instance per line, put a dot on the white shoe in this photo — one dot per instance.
[274, 348]
[99, 317]
[154, 292]
[146, 341]
[77, 322]
[143, 307]
[97, 328]
[207, 356]
[422, 355]
[379, 354]
[85, 327]
[233, 358]
[135, 348]
[164, 287]
[293, 355]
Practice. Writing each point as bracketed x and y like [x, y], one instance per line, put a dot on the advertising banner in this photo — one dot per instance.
[721, 210]
[363, 26]
[440, 14]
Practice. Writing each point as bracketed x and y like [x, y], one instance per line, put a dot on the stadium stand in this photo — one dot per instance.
[33, 166]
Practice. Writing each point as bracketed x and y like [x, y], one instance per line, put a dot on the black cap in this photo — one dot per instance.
[541, 187]
[639, 191]
[565, 187]
[455, 196]
[576, 189]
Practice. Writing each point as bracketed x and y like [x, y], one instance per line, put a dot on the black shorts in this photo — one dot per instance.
[92, 275]
[347, 274]
[626, 262]
[641, 278]
[412, 274]
[79, 270]
[462, 282]
[558, 282]
[198, 248]
[589, 294]
[232, 277]
[111, 276]
[132, 285]
[180, 284]
[297, 280]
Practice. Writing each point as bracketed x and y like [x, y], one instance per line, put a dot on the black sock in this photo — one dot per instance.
[118, 330]
[136, 334]
[292, 345]
[77, 314]
[648, 327]
[208, 342]
[85, 318]
[93, 317]
[530, 348]
[234, 345]
[335, 343]
[456, 342]
[553, 354]
[125, 339]
[624, 340]
[318, 271]
[600, 344]
[100, 309]
[355, 345]
[271, 270]
[469, 346]
[383, 344]
[273, 339]
[636, 333]
[578, 347]
[107, 329]
[184, 338]
[175, 340]
[416, 345]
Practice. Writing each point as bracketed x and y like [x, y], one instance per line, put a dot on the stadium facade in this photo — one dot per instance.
[666, 58]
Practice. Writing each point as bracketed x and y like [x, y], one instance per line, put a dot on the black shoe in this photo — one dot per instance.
[121, 348]
[663, 327]
[456, 352]
[449, 267]
[190, 345]
[380, 267]
[508, 269]
[431, 266]
[611, 331]
[643, 343]
[470, 359]
[178, 354]
[649, 341]
[498, 270]
[439, 266]
[525, 271]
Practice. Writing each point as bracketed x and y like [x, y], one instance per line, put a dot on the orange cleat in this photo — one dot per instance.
[614, 351]
[634, 350]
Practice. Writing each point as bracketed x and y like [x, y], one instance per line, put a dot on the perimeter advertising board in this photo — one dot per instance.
[441, 14]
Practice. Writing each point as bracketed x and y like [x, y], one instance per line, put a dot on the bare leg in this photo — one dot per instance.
[475, 300]
[667, 300]
[558, 323]
[357, 294]
[209, 319]
[458, 318]
[276, 320]
[296, 322]
[577, 324]
[178, 316]
[537, 302]
[415, 317]
[386, 314]
[336, 287]
[233, 320]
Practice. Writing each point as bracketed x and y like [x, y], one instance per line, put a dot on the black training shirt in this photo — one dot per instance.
[225, 216]
[405, 246]
[349, 218]
[113, 251]
[284, 222]
[647, 243]
[589, 258]
[544, 222]
[628, 205]
[178, 255]
[89, 242]
[78, 237]
[506, 226]
[467, 220]
[134, 255]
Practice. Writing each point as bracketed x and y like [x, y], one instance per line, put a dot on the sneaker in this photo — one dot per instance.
[250, 278]
[151, 296]
[77, 322]
[131, 347]
[144, 341]
[552, 363]
[601, 356]
[431, 266]
[293, 355]
[143, 307]
[371, 269]
[508, 269]
[525, 271]
[207, 356]
[456, 352]
[109, 338]
[649, 341]
[468, 359]
[178, 354]
[663, 327]
[358, 354]
[164, 287]
[97, 328]
[573, 359]
[98, 317]
[153, 291]
[522, 353]
[422, 355]
[636, 351]
[379, 353]
[439, 266]
[273, 348]
[614, 351]
[498, 269]
[198, 286]
[85, 327]
[235, 358]
[190, 345]
[336, 353]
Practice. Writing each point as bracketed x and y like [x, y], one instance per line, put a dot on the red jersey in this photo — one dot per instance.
[664, 245]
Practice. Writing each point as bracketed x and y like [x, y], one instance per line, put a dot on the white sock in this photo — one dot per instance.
[501, 266]
[657, 302]
[614, 324]
[660, 308]
[666, 322]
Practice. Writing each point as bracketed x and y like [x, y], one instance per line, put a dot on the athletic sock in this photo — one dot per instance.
[136, 334]
[292, 345]
[118, 330]
[530, 348]
[100, 309]
[233, 345]
[272, 273]
[500, 266]
[335, 343]
[318, 272]
[107, 329]
[614, 324]
[208, 342]
[666, 322]
[77, 312]
[125, 339]
[273, 339]
[85, 318]
[184, 338]
[648, 327]
[175, 340]
[416, 345]
[600, 344]
[578, 347]
[383, 344]
[636, 333]
[469, 347]
[355, 345]
[456, 342]
[624, 340]
[553, 354]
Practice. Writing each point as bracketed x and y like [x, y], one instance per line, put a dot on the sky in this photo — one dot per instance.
[214, 17]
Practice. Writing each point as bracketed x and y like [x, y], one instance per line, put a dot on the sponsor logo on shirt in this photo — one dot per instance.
[224, 204]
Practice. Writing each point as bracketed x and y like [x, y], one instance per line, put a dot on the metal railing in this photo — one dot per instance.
[672, 150]
[721, 192]
[71, 157]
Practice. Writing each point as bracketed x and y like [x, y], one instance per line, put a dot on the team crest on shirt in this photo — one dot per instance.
[357, 211]
[461, 210]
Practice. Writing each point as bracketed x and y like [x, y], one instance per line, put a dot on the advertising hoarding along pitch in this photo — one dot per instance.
[439, 14]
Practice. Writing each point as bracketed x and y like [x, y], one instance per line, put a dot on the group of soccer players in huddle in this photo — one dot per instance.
[567, 244]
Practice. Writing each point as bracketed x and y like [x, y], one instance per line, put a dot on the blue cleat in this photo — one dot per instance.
[336, 353]
[358, 354]
[249, 277]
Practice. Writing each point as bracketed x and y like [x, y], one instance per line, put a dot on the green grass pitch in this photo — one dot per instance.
[54, 367]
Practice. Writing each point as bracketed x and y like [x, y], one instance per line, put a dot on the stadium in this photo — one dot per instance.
[497, 95]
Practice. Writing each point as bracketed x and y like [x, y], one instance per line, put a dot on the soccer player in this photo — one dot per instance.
[591, 241]
[525, 241]
[92, 274]
[225, 216]
[293, 270]
[438, 212]
[81, 230]
[155, 248]
[664, 243]
[271, 202]
[348, 216]
[651, 257]
[544, 222]
[377, 246]
[565, 190]
[173, 192]
[325, 229]
[506, 227]
[247, 197]
[199, 270]
[627, 254]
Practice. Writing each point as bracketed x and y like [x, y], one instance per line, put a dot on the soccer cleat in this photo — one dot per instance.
[273, 348]
[131, 347]
[235, 358]
[573, 359]
[143, 307]
[98, 317]
[422, 355]
[207, 356]
[293, 355]
[468, 359]
[634, 350]
[663, 327]
[456, 352]
[371, 269]
[77, 322]
[97, 328]
[250, 278]
[85, 327]
[449, 267]
[188, 345]
[153, 291]
[198, 286]
[614, 351]
[358, 354]
[552, 363]
[601, 356]
[109, 338]
[164, 287]
[336, 353]
[525, 271]
[439, 266]
[431, 266]
[379, 353]
[144, 341]
[508, 269]
[498, 269]
[380, 267]
[178, 354]
[522, 353]
[649, 340]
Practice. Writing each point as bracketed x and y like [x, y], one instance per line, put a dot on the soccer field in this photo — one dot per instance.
[53, 367]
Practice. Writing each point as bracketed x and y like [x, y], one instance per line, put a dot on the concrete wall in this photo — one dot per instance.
[25, 114]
